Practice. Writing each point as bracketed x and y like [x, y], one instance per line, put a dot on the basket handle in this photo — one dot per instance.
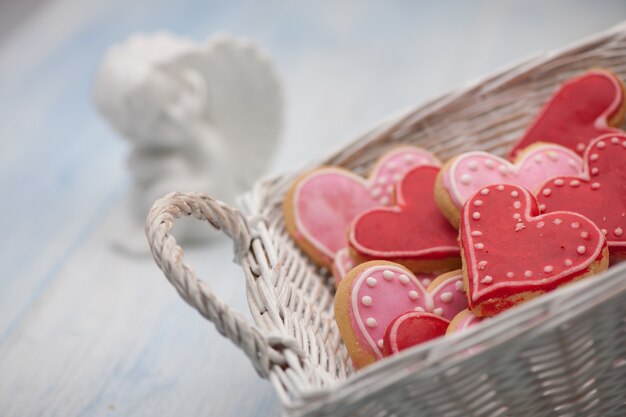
[263, 351]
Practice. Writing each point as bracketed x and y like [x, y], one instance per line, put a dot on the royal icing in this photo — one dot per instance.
[519, 250]
[448, 294]
[379, 295]
[411, 329]
[473, 171]
[328, 199]
[342, 264]
[415, 229]
[580, 110]
[599, 194]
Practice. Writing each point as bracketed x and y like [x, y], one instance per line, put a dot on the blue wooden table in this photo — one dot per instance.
[87, 331]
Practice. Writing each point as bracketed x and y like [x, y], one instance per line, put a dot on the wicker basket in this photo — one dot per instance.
[562, 354]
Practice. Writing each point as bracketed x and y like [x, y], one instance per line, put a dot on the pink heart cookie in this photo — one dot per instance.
[320, 205]
[343, 263]
[512, 254]
[374, 293]
[464, 175]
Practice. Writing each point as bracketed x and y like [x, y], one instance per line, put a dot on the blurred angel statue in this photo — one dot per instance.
[199, 117]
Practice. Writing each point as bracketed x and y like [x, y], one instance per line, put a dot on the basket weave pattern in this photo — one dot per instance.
[563, 354]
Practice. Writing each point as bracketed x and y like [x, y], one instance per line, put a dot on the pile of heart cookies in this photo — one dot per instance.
[421, 248]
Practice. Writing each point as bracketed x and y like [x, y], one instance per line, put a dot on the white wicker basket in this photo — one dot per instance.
[562, 354]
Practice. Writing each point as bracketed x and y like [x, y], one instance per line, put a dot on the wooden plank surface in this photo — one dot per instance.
[85, 330]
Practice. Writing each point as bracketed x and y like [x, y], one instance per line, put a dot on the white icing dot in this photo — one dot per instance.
[371, 322]
[487, 279]
[568, 262]
[426, 281]
[548, 269]
[574, 183]
[476, 215]
[397, 177]
[419, 309]
[584, 235]
[392, 165]
[517, 204]
[510, 274]
[538, 159]
[559, 182]
[382, 180]
[575, 225]
[384, 200]
[581, 250]
[618, 232]
[557, 221]
[473, 165]
[387, 274]
[477, 233]
[409, 158]
[595, 185]
[601, 145]
[466, 179]
[528, 274]
[580, 147]
[380, 343]
[438, 311]
[413, 295]
[482, 265]
[540, 225]
[446, 297]
[376, 192]
[503, 170]
[614, 140]
[478, 203]
[489, 163]
[542, 207]
[371, 281]
[479, 246]
[500, 188]
[484, 191]
[404, 279]
[546, 192]
[604, 232]
[514, 194]
[595, 171]
[366, 300]
[519, 226]
[517, 216]
[594, 157]
[459, 285]
[389, 188]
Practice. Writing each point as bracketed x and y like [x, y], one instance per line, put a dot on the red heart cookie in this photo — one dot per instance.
[320, 205]
[599, 194]
[513, 254]
[413, 233]
[411, 329]
[581, 109]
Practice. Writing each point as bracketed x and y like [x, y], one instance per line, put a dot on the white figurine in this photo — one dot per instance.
[200, 117]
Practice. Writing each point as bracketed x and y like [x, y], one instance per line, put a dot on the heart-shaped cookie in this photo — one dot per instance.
[583, 108]
[411, 329]
[463, 321]
[413, 233]
[375, 293]
[343, 263]
[599, 194]
[463, 175]
[511, 253]
[320, 205]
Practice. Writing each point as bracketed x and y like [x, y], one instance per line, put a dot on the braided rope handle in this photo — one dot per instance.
[263, 351]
